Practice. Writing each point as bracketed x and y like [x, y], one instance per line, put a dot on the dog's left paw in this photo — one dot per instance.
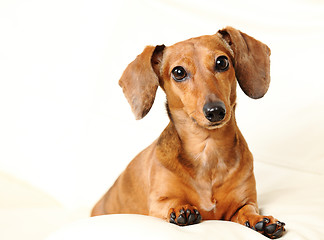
[184, 215]
[269, 227]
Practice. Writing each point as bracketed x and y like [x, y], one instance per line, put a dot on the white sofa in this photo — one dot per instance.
[66, 130]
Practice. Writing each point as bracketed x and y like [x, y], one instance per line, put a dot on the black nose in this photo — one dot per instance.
[214, 111]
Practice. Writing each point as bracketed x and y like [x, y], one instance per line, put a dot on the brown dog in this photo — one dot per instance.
[200, 167]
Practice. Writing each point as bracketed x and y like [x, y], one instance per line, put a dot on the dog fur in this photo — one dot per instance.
[197, 169]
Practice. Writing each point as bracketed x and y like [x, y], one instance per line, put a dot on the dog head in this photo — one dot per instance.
[199, 75]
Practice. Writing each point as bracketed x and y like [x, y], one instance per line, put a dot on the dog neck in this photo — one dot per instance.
[206, 149]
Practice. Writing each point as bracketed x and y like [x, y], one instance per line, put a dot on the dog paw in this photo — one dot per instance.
[268, 226]
[184, 215]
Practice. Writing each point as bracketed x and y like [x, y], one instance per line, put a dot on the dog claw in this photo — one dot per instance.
[172, 220]
[259, 226]
[181, 219]
[278, 233]
[198, 217]
[196, 212]
[270, 228]
[191, 218]
[185, 217]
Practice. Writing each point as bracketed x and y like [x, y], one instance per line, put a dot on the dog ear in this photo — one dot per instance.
[251, 61]
[140, 81]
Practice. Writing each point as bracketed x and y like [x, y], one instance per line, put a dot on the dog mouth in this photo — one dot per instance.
[215, 125]
[209, 126]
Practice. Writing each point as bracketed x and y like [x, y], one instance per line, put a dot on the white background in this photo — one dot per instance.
[65, 126]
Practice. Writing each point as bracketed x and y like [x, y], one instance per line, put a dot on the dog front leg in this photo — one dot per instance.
[249, 216]
[175, 210]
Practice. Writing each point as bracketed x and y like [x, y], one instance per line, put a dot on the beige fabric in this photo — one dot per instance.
[293, 196]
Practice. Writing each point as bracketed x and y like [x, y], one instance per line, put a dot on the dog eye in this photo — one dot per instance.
[179, 74]
[222, 64]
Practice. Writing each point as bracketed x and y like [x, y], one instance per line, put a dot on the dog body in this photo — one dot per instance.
[200, 167]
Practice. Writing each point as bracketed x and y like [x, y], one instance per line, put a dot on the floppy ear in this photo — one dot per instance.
[251, 61]
[140, 82]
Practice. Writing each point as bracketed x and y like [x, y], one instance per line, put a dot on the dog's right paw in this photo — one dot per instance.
[184, 215]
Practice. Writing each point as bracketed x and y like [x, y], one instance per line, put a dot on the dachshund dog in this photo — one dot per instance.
[200, 167]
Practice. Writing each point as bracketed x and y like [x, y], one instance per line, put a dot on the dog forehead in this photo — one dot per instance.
[195, 46]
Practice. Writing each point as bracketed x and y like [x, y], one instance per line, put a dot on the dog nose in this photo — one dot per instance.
[214, 111]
